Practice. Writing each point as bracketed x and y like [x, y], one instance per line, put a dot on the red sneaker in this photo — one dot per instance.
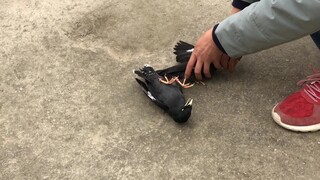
[301, 110]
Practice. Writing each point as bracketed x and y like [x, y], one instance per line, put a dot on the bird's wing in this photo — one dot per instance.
[170, 95]
[146, 90]
[174, 71]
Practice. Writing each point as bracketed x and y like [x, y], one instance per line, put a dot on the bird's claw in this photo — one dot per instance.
[183, 84]
[167, 81]
[200, 82]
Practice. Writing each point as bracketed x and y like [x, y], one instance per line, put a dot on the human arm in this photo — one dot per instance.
[259, 26]
[266, 24]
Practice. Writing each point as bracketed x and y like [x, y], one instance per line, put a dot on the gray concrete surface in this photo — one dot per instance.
[70, 108]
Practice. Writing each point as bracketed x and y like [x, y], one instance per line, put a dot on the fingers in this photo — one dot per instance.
[229, 63]
[217, 62]
[224, 61]
[190, 65]
[198, 69]
[235, 10]
[232, 64]
[206, 70]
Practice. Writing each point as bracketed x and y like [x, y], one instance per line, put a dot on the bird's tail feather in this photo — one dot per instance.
[183, 51]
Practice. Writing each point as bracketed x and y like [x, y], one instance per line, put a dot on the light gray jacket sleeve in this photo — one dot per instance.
[268, 23]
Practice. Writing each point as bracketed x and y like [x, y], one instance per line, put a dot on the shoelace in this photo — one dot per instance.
[312, 83]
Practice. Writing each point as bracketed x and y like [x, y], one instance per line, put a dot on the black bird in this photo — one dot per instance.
[164, 93]
[183, 52]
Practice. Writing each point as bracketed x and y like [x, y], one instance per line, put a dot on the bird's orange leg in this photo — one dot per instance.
[167, 81]
[183, 84]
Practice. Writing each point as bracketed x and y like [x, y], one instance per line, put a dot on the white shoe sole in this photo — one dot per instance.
[277, 119]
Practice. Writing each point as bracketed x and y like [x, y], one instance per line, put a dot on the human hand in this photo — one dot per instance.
[235, 10]
[206, 53]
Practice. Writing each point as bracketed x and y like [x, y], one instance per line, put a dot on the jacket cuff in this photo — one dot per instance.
[216, 40]
[240, 4]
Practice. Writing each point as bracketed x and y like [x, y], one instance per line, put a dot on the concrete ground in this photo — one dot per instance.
[70, 108]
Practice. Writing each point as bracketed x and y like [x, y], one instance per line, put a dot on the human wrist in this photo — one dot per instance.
[235, 10]
[216, 40]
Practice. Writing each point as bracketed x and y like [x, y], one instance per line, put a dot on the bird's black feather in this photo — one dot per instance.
[149, 94]
[183, 51]
[181, 45]
[174, 71]
[143, 86]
